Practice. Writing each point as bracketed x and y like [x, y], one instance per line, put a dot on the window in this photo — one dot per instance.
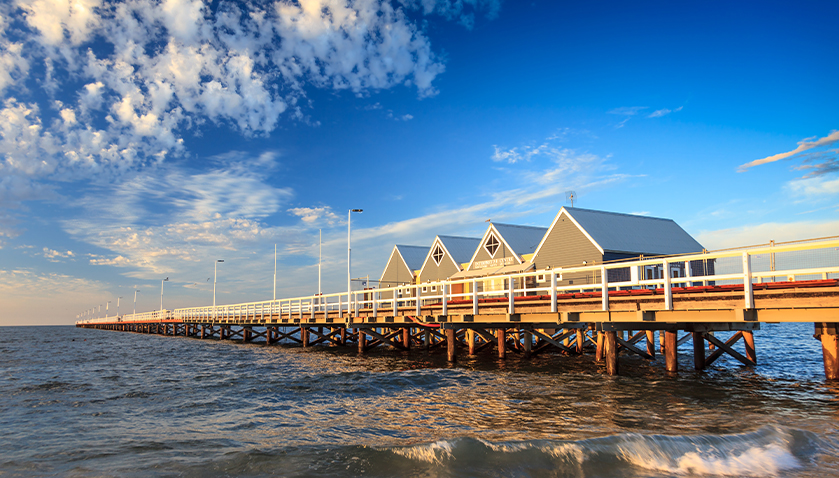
[540, 278]
[491, 245]
[437, 255]
[424, 289]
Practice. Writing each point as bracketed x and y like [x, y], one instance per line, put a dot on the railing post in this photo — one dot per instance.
[748, 288]
[511, 292]
[604, 289]
[395, 303]
[553, 292]
[668, 292]
[419, 301]
[474, 297]
[688, 274]
[312, 307]
[355, 303]
[374, 295]
[443, 288]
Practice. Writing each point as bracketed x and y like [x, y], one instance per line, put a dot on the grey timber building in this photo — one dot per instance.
[584, 236]
[447, 256]
[402, 267]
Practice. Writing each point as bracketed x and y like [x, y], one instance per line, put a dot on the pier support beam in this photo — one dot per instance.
[502, 343]
[671, 354]
[406, 337]
[528, 343]
[749, 339]
[470, 339]
[698, 351]
[304, 336]
[451, 344]
[362, 341]
[610, 340]
[651, 342]
[827, 333]
[598, 354]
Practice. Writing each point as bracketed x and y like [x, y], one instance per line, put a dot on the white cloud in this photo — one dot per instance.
[151, 70]
[22, 293]
[316, 215]
[663, 112]
[753, 234]
[53, 255]
[814, 187]
[803, 145]
[118, 261]
[627, 110]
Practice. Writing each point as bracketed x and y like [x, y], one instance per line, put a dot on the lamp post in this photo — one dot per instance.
[161, 292]
[118, 298]
[275, 272]
[349, 263]
[135, 302]
[107, 307]
[215, 276]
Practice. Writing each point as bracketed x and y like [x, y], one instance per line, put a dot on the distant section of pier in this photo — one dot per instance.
[611, 308]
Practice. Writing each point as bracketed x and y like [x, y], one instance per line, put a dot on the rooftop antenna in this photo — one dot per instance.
[570, 196]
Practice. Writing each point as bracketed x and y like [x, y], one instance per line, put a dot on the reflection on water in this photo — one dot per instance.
[95, 402]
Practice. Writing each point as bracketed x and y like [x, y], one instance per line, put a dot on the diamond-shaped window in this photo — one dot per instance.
[492, 244]
[437, 255]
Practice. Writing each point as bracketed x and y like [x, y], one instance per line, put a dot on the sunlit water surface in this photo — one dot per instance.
[96, 403]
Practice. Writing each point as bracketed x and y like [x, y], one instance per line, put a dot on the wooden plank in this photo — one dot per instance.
[728, 350]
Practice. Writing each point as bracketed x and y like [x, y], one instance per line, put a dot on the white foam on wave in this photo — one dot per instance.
[429, 452]
[756, 461]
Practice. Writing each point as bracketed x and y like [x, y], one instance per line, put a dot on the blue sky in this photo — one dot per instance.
[143, 139]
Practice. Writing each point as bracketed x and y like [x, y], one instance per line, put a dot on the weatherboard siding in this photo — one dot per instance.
[567, 246]
[396, 273]
[433, 272]
[483, 255]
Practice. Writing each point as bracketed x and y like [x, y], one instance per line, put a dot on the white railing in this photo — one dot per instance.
[746, 267]
[156, 315]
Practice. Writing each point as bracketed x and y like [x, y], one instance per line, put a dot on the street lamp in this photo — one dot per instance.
[107, 307]
[275, 272]
[135, 302]
[118, 298]
[349, 264]
[215, 275]
[161, 292]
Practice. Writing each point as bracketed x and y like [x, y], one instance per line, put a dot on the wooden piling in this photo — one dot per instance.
[610, 342]
[528, 343]
[406, 337]
[304, 336]
[749, 340]
[598, 354]
[426, 339]
[671, 355]
[362, 341]
[451, 344]
[581, 336]
[343, 336]
[651, 342]
[470, 339]
[698, 351]
[502, 343]
[827, 333]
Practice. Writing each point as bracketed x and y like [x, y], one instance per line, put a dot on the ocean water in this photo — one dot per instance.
[79, 402]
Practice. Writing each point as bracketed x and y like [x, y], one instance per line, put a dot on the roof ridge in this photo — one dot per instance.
[517, 225]
[572, 209]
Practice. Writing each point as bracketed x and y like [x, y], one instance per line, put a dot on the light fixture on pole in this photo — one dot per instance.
[320, 255]
[107, 307]
[118, 298]
[161, 292]
[135, 302]
[215, 276]
[349, 263]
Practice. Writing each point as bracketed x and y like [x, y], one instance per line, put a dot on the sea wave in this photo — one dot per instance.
[766, 452]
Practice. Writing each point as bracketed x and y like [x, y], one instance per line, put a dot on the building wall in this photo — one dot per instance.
[433, 272]
[502, 252]
[567, 246]
[396, 273]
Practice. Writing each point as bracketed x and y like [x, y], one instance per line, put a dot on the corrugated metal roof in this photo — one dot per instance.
[616, 232]
[523, 239]
[414, 255]
[460, 248]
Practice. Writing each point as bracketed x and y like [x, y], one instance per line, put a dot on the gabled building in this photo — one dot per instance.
[580, 237]
[402, 267]
[448, 256]
[504, 249]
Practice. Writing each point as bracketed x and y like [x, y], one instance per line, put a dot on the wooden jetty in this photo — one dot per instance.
[794, 282]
